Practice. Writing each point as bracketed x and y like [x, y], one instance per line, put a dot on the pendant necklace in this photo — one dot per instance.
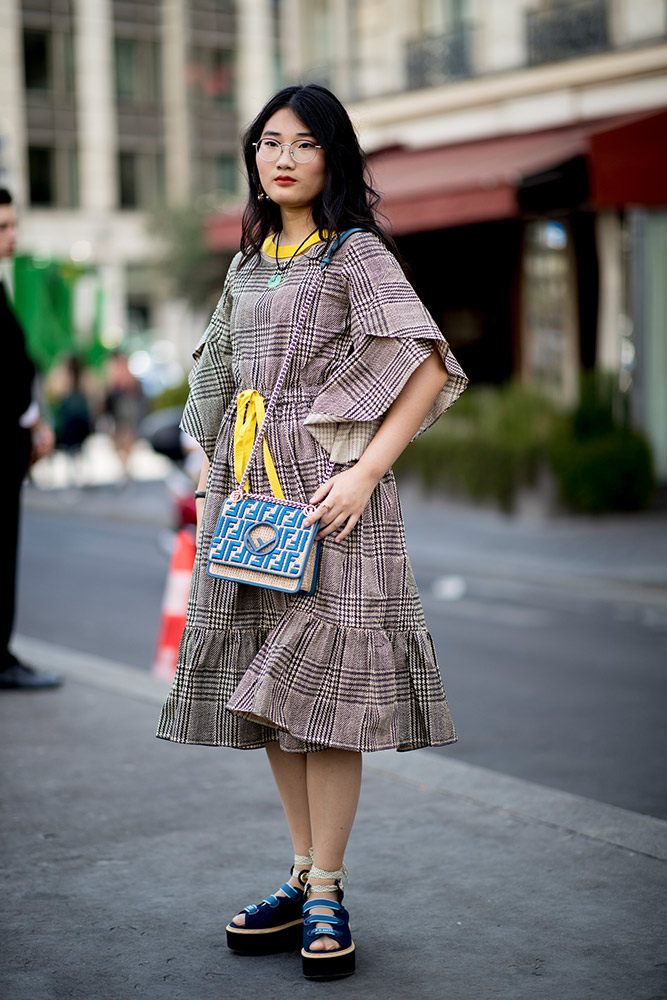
[277, 276]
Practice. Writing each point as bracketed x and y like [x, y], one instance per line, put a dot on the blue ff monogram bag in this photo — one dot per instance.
[261, 540]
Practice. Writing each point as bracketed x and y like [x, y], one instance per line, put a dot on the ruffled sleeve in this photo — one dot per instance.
[392, 333]
[211, 378]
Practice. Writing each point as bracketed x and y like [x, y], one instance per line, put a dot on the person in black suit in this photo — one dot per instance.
[27, 438]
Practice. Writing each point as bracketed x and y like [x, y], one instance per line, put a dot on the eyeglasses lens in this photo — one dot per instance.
[302, 152]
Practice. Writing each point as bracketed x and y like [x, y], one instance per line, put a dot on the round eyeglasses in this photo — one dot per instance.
[301, 150]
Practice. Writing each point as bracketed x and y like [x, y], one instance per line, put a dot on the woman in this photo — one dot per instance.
[315, 679]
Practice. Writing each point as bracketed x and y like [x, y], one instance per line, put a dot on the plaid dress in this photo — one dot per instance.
[352, 666]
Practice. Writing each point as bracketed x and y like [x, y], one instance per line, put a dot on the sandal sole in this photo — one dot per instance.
[265, 940]
[329, 964]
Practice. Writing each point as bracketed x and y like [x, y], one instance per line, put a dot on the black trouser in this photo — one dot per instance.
[17, 461]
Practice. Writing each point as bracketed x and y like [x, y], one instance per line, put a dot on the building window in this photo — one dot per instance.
[50, 106]
[71, 177]
[68, 66]
[211, 75]
[157, 177]
[566, 30]
[141, 179]
[438, 59]
[53, 176]
[125, 68]
[219, 175]
[128, 180]
[137, 66]
[221, 76]
[442, 52]
[227, 176]
[48, 61]
[41, 176]
[37, 60]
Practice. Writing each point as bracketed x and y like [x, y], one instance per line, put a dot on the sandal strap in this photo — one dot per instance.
[290, 891]
[331, 932]
[331, 904]
[334, 924]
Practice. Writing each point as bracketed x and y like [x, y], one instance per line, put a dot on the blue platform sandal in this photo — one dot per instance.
[275, 924]
[334, 924]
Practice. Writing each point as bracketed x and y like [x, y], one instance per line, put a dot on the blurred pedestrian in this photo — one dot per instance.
[125, 407]
[28, 438]
[314, 678]
[73, 421]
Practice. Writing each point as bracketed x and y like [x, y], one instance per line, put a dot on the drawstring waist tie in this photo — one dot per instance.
[249, 416]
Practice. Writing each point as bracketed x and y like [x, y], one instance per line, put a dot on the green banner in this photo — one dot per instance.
[43, 294]
[97, 353]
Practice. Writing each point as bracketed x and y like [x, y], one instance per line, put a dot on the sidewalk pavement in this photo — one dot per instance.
[125, 856]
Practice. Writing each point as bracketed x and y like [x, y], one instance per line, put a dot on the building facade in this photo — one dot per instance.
[113, 111]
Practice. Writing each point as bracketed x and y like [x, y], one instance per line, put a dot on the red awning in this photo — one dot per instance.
[628, 163]
[466, 183]
[472, 182]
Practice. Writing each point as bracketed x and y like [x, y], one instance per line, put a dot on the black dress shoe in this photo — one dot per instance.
[18, 676]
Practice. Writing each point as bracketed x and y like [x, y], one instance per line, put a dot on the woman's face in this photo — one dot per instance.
[287, 183]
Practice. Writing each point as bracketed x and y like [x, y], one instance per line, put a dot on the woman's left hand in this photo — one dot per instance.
[341, 499]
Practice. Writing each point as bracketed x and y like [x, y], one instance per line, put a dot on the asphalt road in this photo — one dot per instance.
[544, 684]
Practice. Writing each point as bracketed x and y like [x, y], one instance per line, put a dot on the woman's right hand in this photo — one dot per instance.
[341, 501]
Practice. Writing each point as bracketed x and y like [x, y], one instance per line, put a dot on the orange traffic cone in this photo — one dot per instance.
[174, 605]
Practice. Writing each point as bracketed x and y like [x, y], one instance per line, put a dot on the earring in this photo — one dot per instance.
[262, 196]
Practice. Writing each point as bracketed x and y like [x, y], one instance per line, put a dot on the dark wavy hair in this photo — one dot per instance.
[348, 198]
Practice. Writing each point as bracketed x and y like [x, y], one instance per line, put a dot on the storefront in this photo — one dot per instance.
[544, 255]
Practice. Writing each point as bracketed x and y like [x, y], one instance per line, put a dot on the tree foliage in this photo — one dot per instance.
[191, 270]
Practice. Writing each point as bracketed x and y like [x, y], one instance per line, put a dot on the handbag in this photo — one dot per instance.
[261, 540]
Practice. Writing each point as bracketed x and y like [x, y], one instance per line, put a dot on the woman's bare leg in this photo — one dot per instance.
[289, 774]
[333, 779]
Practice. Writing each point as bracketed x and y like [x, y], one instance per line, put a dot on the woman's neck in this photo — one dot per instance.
[296, 226]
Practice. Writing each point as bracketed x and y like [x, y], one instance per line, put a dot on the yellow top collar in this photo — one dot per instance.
[280, 252]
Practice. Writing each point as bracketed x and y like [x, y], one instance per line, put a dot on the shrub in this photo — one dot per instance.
[600, 462]
[496, 439]
[491, 443]
[607, 472]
